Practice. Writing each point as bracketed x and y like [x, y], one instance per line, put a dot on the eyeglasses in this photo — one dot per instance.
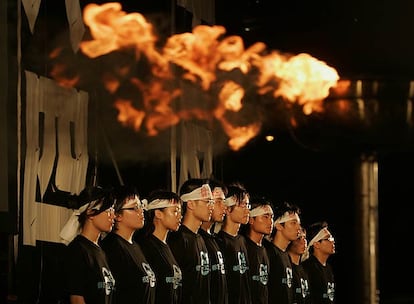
[244, 205]
[177, 211]
[208, 201]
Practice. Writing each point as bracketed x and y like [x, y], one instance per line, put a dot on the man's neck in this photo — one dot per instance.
[126, 234]
[231, 228]
[206, 226]
[280, 242]
[192, 223]
[256, 237]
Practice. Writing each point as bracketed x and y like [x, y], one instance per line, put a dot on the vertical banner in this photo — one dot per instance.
[31, 8]
[56, 153]
[4, 182]
[196, 152]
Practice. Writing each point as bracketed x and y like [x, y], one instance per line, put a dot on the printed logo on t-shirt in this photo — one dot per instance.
[109, 282]
[289, 277]
[263, 275]
[204, 268]
[150, 277]
[331, 291]
[220, 262]
[242, 267]
[304, 287]
[176, 279]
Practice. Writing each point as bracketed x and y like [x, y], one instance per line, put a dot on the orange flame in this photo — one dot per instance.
[219, 68]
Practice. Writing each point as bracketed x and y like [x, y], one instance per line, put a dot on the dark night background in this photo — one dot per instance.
[313, 165]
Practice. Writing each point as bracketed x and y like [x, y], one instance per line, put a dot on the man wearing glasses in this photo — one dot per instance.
[315, 262]
[133, 274]
[233, 245]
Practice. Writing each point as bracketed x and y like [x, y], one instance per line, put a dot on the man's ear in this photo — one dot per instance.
[119, 217]
[158, 214]
[278, 226]
[191, 204]
[251, 220]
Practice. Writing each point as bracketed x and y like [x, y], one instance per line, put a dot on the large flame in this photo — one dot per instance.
[219, 69]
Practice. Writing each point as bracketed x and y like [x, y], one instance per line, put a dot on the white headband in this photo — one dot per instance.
[218, 193]
[323, 233]
[287, 217]
[201, 193]
[260, 210]
[230, 201]
[133, 201]
[72, 226]
[157, 204]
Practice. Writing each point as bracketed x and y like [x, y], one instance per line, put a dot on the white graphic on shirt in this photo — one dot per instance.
[289, 276]
[205, 264]
[304, 287]
[220, 264]
[331, 291]
[176, 279]
[242, 266]
[109, 281]
[150, 277]
[263, 275]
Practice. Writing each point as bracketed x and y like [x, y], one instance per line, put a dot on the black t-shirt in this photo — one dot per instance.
[237, 267]
[218, 283]
[87, 272]
[280, 275]
[191, 253]
[321, 281]
[135, 280]
[167, 271]
[259, 272]
[300, 284]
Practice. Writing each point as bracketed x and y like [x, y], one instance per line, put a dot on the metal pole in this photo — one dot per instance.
[367, 208]
[173, 138]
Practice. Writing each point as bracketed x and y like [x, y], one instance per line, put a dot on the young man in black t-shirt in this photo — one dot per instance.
[320, 273]
[233, 245]
[260, 224]
[188, 246]
[218, 283]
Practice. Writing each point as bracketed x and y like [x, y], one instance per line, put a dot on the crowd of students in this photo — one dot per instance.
[210, 243]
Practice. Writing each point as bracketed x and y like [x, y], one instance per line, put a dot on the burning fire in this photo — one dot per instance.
[220, 69]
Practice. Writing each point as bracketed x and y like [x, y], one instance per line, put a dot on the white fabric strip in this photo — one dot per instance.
[218, 193]
[260, 210]
[76, 25]
[132, 202]
[201, 193]
[322, 234]
[72, 226]
[287, 217]
[157, 204]
[230, 201]
[31, 8]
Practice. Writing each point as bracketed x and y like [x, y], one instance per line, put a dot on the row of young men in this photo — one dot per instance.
[212, 244]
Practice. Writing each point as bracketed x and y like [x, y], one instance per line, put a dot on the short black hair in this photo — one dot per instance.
[122, 193]
[192, 183]
[314, 228]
